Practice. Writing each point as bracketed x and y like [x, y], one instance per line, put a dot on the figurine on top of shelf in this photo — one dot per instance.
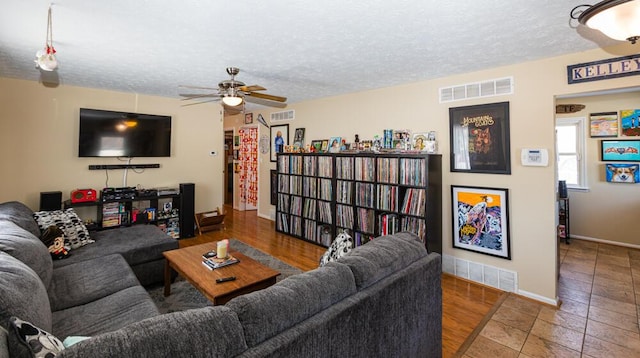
[377, 143]
[431, 145]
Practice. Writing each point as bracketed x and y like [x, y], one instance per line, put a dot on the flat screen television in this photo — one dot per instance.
[123, 134]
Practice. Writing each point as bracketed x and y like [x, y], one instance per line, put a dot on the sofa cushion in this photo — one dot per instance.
[267, 312]
[27, 340]
[23, 294]
[87, 281]
[383, 256]
[203, 332]
[24, 246]
[106, 314]
[19, 214]
[75, 232]
[137, 244]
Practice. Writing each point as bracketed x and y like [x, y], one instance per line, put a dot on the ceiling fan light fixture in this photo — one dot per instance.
[618, 19]
[232, 100]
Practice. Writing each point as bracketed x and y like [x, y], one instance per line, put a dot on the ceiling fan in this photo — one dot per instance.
[233, 93]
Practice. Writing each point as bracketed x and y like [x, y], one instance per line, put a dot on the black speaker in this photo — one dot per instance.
[187, 210]
[50, 200]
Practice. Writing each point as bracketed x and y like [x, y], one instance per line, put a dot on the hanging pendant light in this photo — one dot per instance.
[46, 59]
[618, 19]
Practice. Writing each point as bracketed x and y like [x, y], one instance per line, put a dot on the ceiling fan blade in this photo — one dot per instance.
[264, 102]
[251, 88]
[198, 87]
[199, 102]
[196, 96]
[267, 96]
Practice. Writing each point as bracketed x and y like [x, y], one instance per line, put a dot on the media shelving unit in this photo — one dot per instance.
[119, 212]
[364, 194]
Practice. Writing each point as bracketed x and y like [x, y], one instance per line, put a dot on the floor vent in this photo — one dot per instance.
[496, 87]
[283, 116]
[488, 275]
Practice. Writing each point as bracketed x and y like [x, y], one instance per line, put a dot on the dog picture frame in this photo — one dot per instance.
[627, 150]
[622, 173]
[481, 220]
[480, 139]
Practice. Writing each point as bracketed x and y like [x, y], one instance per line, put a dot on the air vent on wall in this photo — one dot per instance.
[495, 87]
[283, 116]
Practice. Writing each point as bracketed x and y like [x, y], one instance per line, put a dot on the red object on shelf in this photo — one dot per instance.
[83, 195]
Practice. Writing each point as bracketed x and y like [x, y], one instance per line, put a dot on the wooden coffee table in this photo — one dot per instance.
[250, 274]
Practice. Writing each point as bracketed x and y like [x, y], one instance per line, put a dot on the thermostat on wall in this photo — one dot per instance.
[535, 157]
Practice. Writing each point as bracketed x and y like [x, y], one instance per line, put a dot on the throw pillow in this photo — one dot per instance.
[27, 340]
[75, 232]
[53, 239]
[338, 248]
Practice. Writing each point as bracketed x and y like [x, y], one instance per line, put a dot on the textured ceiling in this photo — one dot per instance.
[300, 49]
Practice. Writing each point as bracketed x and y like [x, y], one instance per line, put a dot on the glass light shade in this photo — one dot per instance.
[232, 101]
[46, 61]
[620, 20]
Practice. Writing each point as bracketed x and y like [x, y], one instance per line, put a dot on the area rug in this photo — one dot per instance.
[184, 296]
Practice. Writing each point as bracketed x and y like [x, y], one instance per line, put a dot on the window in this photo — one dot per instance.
[571, 149]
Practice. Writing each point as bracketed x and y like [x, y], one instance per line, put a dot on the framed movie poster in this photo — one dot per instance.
[620, 150]
[481, 220]
[603, 124]
[298, 137]
[279, 138]
[479, 138]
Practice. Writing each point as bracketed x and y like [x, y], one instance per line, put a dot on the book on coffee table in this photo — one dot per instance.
[213, 263]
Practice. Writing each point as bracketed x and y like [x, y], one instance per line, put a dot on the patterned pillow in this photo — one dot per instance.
[27, 340]
[75, 233]
[339, 247]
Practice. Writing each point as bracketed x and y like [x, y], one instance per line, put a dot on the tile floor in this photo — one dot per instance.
[599, 287]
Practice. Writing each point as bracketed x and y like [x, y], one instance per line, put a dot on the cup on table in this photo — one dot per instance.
[222, 249]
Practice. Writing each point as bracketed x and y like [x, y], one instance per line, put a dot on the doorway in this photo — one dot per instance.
[228, 167]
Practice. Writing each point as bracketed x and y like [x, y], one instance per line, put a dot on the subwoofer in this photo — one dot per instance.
[50, 200]
[187, 210]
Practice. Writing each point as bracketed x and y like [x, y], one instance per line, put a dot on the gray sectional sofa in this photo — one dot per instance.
[383, 299]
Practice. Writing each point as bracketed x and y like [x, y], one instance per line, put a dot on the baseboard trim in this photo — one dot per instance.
[539, 298]
[601, 241]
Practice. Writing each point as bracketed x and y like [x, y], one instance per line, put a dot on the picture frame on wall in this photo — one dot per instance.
[622, 173]
[480, 139]
[630, 122]
[279, 139]
[248, 118]
[624, 150]
[603, 124]
[481, 220]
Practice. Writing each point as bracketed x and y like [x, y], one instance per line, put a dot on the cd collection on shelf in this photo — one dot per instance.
[365, 195]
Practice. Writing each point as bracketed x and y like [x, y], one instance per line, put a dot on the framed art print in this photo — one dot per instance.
[248, 118]
[622, 173]
[481, 220]
[620, 150]
[279, 138]
[298, 138]
[479, 138]
[603, 124]
[630, 122]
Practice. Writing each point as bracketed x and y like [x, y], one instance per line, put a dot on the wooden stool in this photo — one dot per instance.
[210, 220]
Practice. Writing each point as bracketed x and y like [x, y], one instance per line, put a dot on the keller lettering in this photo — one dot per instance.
[605, 69]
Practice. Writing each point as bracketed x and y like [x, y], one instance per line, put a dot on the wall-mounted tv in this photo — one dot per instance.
[123, 134]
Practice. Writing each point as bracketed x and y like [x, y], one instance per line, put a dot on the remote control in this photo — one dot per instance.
[225, 279]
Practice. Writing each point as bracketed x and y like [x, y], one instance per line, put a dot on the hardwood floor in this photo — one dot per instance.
[465, 303]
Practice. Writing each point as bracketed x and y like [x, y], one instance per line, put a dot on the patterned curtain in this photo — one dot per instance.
[248, 157]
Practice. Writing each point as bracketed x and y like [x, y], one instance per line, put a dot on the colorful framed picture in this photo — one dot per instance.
[248, 118]
[479, 139]
[279, 138]
[334, 144]
[630, 122]
[325, 146]
[622, 173]
[298, 138]
[419, 141]
[316, 145]
[620, 150]
[481, 220]
[603, 124]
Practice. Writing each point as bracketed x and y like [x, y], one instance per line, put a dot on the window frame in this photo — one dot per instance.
[580, 124]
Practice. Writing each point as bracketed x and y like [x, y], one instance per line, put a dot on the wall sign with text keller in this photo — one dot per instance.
[604, 69]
